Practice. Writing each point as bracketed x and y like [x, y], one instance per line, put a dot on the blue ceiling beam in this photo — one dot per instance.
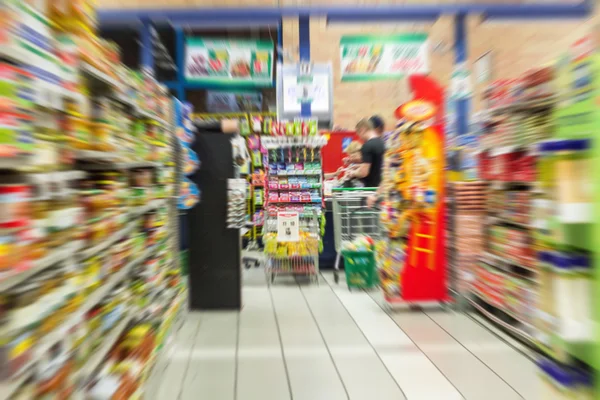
[350, 14]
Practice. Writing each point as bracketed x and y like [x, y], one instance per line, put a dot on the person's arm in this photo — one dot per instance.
[364, 167]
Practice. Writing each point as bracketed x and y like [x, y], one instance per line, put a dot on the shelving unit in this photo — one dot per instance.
[550, 252]
[96, 249]
[283, 195]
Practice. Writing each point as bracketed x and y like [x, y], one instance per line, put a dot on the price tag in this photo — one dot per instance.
[288, 226]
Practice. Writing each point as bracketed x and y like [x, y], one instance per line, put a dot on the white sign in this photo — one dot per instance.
[460, 82]
[313, 89]
[288, 226]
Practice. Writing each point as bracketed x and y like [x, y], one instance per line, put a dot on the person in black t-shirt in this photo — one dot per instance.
[369, 171]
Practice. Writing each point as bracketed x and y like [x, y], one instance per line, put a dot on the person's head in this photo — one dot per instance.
[353, 148]
[378, 124]
[364, 128]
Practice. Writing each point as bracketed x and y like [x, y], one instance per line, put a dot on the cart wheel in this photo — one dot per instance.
[256, 264]
[246, 265]
[336, 277]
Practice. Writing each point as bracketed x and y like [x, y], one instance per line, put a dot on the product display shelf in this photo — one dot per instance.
[66, 271]
[283, 195]
[108, 342]
[516, 331]
[507, 262]
[45, 343]
[18, 276]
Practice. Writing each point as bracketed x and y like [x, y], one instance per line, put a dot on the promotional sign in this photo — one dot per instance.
[460, 82]
[231, 62]
[288, 226]
[313, 89]
[226, 102]
[366, 58]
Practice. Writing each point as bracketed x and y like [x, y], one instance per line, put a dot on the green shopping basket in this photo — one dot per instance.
[360, 269]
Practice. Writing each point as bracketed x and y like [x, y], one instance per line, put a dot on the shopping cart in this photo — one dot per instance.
[293, 258]
[353, 218]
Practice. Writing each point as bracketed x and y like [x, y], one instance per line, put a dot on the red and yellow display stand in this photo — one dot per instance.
[415, 202]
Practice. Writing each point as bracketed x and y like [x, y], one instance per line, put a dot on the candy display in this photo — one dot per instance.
[466, 218]
[411, 215]
[293, 183]
[87, 250]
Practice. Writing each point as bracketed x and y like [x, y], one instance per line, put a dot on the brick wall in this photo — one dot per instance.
[356, 100]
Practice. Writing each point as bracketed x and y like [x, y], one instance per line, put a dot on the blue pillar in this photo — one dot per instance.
[460, 56]
[180, 61]
[304, 50]
[280, 41]
[146, 50]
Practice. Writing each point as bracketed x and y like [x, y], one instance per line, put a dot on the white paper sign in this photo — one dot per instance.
[288, 226]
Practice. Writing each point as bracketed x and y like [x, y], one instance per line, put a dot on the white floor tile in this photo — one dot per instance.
[325, 342]
[261, 379]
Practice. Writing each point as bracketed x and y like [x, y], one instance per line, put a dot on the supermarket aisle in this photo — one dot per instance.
[325, 343]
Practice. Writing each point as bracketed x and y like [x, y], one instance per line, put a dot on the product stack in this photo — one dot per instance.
[506, 277]
[293, 184]
[89, 280]
[468, 218]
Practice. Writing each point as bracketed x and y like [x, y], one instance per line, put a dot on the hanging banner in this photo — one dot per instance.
[366, 58]
[229, 62]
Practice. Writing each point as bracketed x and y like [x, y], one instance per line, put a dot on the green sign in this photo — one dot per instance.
[383, 57]
[576, 85]
[229, 62]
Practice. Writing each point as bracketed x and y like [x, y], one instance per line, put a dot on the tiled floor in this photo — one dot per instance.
[308, 342]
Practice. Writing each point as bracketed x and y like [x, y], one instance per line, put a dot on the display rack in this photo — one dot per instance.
[88, 263]
[293, 187]
[412, 258]
[539, 160]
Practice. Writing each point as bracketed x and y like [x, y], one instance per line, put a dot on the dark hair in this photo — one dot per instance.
[377, 122]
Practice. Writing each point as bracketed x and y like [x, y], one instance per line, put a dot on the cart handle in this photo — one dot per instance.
[359, 189]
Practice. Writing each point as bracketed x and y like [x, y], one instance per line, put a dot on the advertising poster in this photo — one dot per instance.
[366, 58]
[231, 62]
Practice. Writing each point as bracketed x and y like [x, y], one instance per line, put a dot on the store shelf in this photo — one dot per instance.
[294, 202]
[52, 177]
[55, 256]
[92, 364]
[525, 106]
[94, 73]
[91, 251]
[45, 343]
[521, 334]
[97, 156]
[152, 205]
[117, 165]
[298, 173]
